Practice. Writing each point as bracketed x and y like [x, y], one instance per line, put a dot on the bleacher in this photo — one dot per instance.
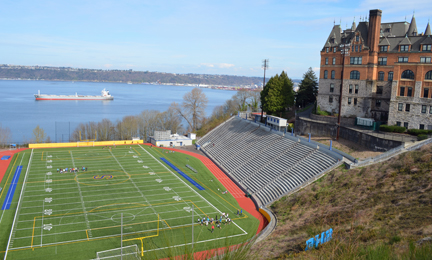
[265, 162]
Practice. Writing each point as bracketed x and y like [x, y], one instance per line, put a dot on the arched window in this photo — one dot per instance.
[429, 75]
[390, 76]
[407, 74]
[381, 75]
[355, 74]
[325, 74]
[333, 74]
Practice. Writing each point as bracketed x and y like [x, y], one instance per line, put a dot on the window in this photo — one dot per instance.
[398, 123]
[400, 106]
[381, 75]
[378, 103]
[352, 48]
[334, 49]
[424, 107]
[356, 48]
[407, 107]
[325, 74]
[330, 99]
[426, 47]
[384, 48]
[390, 76]
[360, 47]
[425, 59]
[357, 38]
[402, 91]
[334, 61]
[350, 89]
[355, 60]
[333, 74]
[382, 61]
[349, 101]
[355, 101]
[356, 89]
[326, 61]
[429, 75]
[379, 90]
[327, 49]
[355, 74]
[404, 48]
[332, 88]
[421, 126]
[406, 125]
[426, 92]
[430, 110]
[409, 92]
[407, 74]
[403, 59]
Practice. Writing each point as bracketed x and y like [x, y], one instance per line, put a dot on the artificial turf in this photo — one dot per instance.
[75, 215]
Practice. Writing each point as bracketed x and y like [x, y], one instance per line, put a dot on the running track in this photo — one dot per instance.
[4, 164]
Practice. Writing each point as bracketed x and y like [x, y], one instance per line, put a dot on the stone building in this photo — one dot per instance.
[384, 71]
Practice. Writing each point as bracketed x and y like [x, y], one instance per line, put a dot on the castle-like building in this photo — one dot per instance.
[383, 70]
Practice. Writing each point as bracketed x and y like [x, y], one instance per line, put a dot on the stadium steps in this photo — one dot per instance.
[206, 137]
[239, 140]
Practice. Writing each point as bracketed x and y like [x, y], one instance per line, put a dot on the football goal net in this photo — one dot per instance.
[128, 252]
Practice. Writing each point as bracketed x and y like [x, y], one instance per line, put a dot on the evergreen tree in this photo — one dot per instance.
[287, 90]
[308, 89]
[271, 96]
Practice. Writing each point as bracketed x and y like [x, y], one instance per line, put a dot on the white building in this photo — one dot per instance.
[276, 122]
[166, 139]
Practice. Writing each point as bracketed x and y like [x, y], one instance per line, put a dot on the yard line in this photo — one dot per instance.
[134, 183]
[19, 201]
[81, 197]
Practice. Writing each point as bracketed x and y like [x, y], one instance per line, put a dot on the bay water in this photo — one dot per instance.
[20, 112]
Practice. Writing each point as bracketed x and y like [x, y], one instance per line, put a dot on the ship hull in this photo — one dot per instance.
[72, 97]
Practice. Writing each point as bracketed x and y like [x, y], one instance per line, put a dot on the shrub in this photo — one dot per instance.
[392, 128]
[419, 132]
[322, 112]
[422, 137]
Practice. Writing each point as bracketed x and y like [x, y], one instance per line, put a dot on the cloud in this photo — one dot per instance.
[225, 65]
[218, 65]
[107, 65]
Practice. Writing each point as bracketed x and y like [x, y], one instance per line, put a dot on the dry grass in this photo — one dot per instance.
[386, 204]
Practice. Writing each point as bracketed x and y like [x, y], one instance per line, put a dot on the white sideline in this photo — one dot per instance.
[18, 206]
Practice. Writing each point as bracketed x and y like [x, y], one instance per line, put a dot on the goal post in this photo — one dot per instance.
[127, 252]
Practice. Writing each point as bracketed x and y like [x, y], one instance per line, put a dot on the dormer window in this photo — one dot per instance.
[384, 48]
[387, 30]
[426, 47]
[357, 38]
[404, 48]
[331, 40]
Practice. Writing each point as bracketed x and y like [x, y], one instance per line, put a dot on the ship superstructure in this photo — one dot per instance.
[105, 95]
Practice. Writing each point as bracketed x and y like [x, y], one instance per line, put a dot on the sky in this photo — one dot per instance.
[203, 37]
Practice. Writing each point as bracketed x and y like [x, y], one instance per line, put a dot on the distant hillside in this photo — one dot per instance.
[71, 74]
[376, 212]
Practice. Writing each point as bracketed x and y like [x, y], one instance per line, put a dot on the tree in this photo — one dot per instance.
[272, 98]
[242, 97]
[5, 135]
[192, 108]
[287, 90]
[39, 134]
[308, 89]
[254, 100]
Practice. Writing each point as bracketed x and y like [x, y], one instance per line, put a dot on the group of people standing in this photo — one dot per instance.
[74, 169]
[223, 219]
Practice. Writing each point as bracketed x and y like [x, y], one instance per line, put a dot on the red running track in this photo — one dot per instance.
[4, 164]
[244, 202]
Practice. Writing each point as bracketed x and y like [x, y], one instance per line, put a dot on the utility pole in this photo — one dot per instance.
[344, 53]
[265, 67]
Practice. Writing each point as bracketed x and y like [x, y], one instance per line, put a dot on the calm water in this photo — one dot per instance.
[21, 112]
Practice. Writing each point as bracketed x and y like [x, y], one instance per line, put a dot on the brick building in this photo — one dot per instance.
[384, 69]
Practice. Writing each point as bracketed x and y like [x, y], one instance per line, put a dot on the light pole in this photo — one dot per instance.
[265, 67]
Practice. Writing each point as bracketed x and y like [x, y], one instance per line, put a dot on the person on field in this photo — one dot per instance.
[212, 228]
[219, 226]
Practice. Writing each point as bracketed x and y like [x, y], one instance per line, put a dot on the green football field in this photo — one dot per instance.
[76, 215]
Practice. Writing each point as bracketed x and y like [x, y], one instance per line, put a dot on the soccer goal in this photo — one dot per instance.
[128, 252]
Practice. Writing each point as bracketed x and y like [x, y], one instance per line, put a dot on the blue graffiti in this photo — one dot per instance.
[315, 241]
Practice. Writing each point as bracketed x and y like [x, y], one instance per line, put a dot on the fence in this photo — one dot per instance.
[82, 144]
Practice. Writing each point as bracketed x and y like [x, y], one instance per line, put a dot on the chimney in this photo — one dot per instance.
[374, 30]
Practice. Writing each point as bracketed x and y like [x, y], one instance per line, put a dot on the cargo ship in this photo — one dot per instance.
[105, 95]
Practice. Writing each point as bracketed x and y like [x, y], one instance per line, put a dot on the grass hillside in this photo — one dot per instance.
[376, 212]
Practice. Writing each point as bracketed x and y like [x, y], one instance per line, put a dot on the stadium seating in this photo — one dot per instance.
[265, 162]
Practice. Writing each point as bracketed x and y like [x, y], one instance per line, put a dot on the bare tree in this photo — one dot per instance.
[242, 97]
[105, 130]
[192, 108]
[5, 135]
[254, 99]
[39, 134]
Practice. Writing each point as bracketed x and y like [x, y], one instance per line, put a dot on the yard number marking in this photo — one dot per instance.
[177, 198]
[49, 173]
[47, 226]
[48, 200]
[167, 188]
[48, 211]
[188, 209]
[48, 189]
[159, 180]
[48, 181]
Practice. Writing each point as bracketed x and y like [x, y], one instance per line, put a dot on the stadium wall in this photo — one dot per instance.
[82, 144]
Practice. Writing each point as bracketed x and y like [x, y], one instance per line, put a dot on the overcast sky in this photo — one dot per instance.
[213, 37]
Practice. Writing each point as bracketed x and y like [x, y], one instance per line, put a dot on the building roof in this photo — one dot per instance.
[405, 41]
[384, 42]
[428, 30]
[412, 30]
